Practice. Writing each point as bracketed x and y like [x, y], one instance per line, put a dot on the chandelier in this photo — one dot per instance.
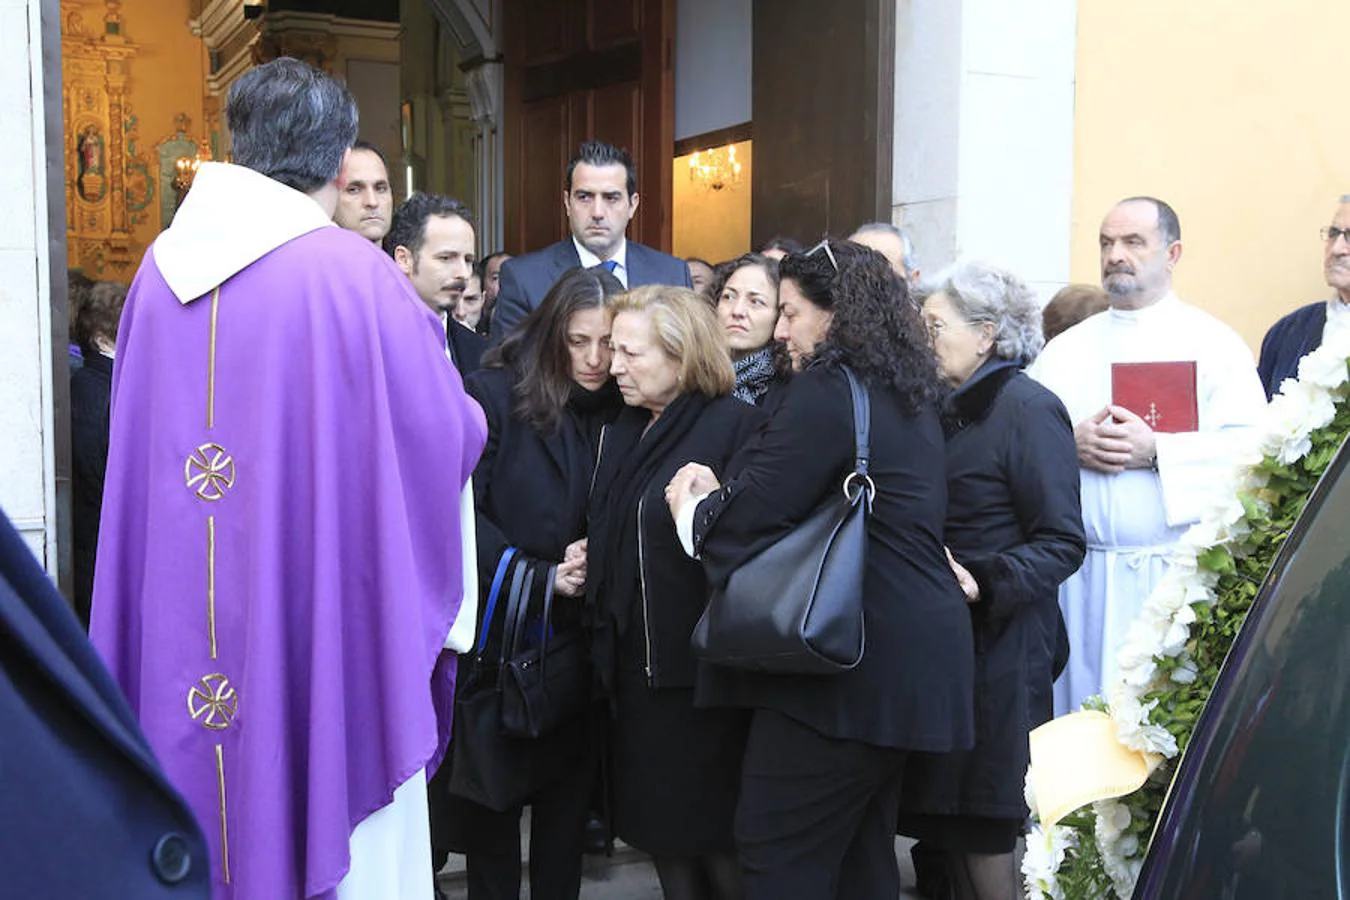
[185, 170]
[716, 168]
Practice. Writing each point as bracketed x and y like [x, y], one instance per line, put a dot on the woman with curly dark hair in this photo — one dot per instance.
[822, 773]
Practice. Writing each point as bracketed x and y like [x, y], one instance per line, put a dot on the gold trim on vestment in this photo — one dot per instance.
[209, 472]
[224, 820]
[211, 365]
[213, 702]
[211, 581]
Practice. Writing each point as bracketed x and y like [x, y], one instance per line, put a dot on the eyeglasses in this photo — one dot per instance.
[829, 254]
[1331, 234]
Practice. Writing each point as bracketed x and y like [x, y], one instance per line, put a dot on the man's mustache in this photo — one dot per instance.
[459, 284]
[1120, 269]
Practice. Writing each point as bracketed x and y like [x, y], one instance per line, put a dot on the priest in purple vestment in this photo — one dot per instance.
[279, 565]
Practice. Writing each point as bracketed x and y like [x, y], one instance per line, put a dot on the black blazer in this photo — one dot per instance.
[85, 810]
[1288, 341]
[466, 347]
[1013, 520]
[668, 590]
[913, 688]
[526, 279]
[90, 396]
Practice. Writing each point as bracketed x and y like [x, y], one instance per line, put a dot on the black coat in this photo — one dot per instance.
[1013, 520]
[526, 279]
[913, 688]
[531, 488]
[667, 590]
[466, 347]
[85, 810]
[1289, 340]
[90, 395]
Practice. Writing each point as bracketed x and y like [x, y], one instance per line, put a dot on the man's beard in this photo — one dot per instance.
[455, 292]
[1121, 283]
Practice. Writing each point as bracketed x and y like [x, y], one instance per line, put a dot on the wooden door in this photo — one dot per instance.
[583, 69]
[822, 98]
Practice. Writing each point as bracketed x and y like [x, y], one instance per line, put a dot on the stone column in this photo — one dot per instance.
[484, 83]
[33, 384]
[984, 128]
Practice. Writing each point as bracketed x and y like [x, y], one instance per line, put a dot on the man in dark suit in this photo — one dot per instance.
[85, 810]
[431, 239]
[600, 197]
[1301, 332]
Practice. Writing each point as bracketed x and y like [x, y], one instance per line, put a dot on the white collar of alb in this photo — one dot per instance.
[232, 217]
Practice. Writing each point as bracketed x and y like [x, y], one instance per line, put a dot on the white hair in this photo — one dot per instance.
[980, 293]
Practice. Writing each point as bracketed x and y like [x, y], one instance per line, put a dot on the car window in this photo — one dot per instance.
[1259, 807]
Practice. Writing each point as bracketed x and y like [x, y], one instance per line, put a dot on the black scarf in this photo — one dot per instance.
[628, 461]
[754, 373]
[602, 401]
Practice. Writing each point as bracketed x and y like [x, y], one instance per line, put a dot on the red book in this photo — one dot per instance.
[1160, 393]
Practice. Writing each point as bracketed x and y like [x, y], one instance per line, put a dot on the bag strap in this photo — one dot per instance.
[502, 567]
[862, 423]
[520, 583]
[546, 625]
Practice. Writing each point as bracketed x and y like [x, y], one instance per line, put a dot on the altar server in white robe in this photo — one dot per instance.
[1140, 489]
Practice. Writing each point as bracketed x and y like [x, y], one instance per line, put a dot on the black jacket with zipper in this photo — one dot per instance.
[640, 576]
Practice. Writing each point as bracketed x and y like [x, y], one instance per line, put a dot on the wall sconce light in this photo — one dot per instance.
[185, 170]
[715, 169]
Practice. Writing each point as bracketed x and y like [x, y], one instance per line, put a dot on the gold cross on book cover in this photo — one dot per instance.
[1160, 393]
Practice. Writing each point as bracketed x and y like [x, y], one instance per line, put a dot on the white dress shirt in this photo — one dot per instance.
[620, 257]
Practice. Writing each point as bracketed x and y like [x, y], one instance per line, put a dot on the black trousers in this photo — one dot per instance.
[816, 818]
[491, 840]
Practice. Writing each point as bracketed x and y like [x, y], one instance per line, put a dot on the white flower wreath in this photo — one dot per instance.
[1099, 849]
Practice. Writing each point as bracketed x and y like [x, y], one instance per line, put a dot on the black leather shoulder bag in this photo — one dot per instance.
[796, 607]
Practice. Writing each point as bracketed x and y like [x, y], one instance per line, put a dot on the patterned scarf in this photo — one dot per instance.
[754, 372]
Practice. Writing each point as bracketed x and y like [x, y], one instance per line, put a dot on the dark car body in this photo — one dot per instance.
[1260, 806]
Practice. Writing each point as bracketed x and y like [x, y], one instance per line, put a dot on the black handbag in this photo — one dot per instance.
[488, 767]
[796, 607]
[547, 684]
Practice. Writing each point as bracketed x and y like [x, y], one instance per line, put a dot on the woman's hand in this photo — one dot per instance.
[963, 578]
[569, 580]
[692, 480]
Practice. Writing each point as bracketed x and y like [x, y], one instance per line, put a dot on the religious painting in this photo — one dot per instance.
[90, 179]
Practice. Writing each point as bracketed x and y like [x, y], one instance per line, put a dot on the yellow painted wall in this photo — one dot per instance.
[712, 225]
[168, 77]
[1234, 112]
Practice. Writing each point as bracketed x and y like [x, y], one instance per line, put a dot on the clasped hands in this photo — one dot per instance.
[570, 578]
[1114, 440]
[693, 480]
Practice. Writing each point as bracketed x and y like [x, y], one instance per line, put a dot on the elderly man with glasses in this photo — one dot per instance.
[1302, 331]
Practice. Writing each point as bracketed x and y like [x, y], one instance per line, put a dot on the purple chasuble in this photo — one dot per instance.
[279, 558]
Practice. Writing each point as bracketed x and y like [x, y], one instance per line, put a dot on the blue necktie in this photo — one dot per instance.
[610, 265]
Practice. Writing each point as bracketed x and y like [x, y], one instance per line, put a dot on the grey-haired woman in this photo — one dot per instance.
[1014, 530]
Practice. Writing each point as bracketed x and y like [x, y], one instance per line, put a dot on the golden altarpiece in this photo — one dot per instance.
[120, 191]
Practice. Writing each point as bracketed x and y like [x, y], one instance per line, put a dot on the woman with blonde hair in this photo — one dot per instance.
[674, 769]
